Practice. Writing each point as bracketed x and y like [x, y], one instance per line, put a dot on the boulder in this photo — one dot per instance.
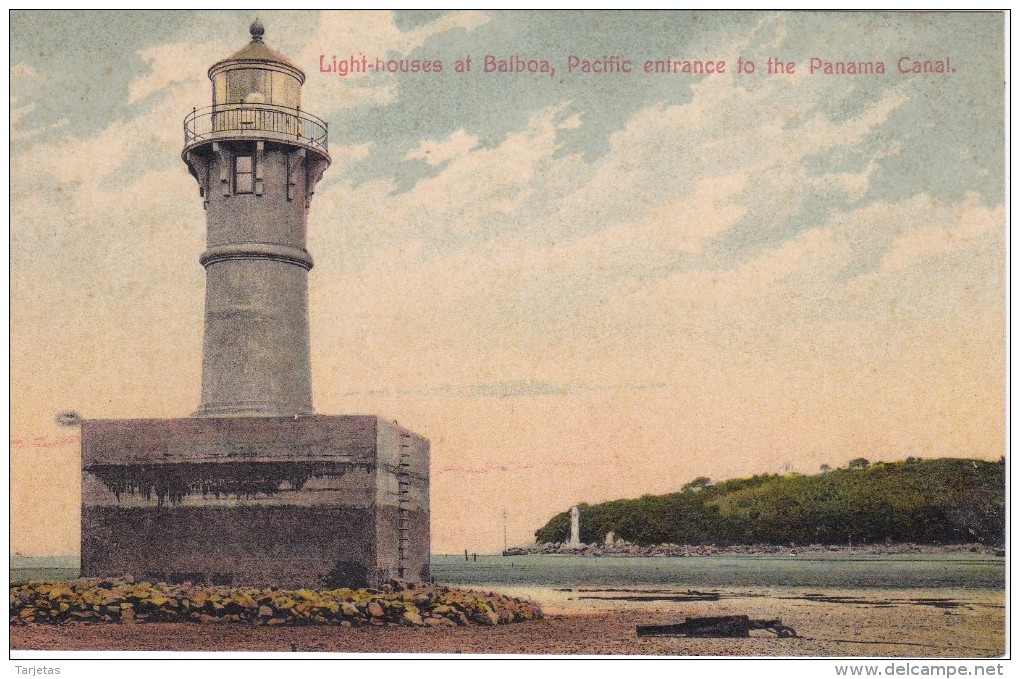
[432, 621]
[412, 617]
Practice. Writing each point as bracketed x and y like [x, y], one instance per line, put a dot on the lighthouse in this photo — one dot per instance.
[255, 488]
[257, 157]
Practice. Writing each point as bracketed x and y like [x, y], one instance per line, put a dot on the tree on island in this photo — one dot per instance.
[940, 501]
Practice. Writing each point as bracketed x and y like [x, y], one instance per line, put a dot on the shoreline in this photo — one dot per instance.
[627, 549]
[602, 621]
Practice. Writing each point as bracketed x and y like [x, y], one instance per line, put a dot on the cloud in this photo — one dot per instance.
[153, 135]
[375, 33]
[496, 179]
[23, 71]
[810, 255]
[438, 152]
[937, 229]
[449, 207]
[675, 226]
[23, 114]
[920, 250]
[175, 64]
[851, 259]
[44, 441]
[527, 388]
[150, 132]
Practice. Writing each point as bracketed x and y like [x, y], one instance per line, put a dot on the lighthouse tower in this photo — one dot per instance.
[257, 158]
[255, 488]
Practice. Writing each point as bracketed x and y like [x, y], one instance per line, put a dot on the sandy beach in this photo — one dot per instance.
[595, 621]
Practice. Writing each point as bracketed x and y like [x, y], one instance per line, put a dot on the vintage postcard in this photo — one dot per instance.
[540, 333]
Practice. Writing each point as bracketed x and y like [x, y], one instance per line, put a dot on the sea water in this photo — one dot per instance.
[885, 571]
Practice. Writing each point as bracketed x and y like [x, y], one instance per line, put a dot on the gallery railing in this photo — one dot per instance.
[257, 121]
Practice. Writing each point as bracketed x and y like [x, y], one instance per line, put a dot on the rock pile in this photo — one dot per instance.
[121, 600]
[621, 548]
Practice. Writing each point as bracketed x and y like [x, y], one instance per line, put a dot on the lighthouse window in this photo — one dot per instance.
[244, 174]
[243, 82]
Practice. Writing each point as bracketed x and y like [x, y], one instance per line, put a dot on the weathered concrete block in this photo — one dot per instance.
[306, 502]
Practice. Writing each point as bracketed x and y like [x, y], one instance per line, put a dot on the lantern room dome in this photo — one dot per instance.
[255, 54]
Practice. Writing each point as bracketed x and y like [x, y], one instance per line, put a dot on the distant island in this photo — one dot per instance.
[947, 503]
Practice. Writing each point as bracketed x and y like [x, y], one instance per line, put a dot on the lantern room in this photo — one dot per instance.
[256, 94]
[257, 74]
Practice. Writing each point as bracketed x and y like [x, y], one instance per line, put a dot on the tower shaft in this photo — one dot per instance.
[256, 358]
[257, 157]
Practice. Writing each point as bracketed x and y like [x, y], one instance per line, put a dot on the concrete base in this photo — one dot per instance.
[307, 502]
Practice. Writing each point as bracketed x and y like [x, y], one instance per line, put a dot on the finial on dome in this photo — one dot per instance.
[257, 30]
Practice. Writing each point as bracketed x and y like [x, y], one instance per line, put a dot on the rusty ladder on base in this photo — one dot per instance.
[403, 512]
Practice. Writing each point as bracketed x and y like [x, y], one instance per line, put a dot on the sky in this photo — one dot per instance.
[578, 286]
